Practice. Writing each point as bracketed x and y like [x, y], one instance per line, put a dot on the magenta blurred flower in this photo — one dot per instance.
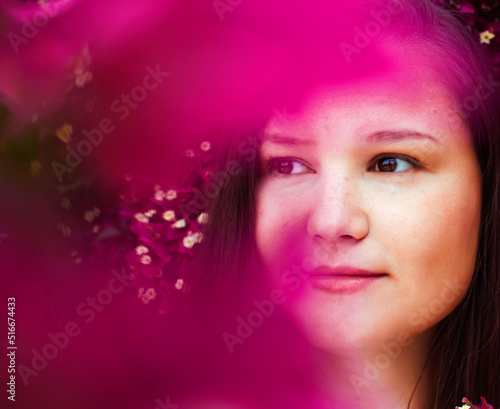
[468, 404]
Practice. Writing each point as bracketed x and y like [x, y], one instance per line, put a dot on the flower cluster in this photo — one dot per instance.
[158, 229]
[153, 231]
[469, 405]
[482, 18]
[166, 228]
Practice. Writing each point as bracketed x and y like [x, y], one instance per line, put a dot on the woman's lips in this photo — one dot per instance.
[343, 279]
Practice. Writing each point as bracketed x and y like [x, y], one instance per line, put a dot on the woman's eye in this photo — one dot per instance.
[392, 164]
[287, 166]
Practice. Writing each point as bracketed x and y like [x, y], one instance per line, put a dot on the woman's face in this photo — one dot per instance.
[368, 209]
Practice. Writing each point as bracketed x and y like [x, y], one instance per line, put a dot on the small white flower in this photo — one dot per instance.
[140, 250]
[198, 237]
[82, 78]
[463, 407]
[35, 167]
[151, 292]
[179, 224]
[145, 259]
[148, 295]
[65, 132]
[205, 146]
[486, 36]
[159, 195]
[188, 241]
[171, 194]
[141, 217]
[179, 284]
[169, 215]
[190, 153]
[150, 213]
[89, 216]
[203, 218]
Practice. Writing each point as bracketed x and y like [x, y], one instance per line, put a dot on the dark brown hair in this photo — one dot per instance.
[464, 358]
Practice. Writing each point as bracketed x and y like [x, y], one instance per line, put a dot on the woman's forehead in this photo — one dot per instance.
[402, 75]
[405, 93]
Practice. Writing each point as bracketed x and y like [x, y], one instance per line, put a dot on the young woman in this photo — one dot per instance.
[371, 207]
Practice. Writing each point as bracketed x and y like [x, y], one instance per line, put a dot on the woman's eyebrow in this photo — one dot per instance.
[286, 140]
[379, 136]
[398, 135]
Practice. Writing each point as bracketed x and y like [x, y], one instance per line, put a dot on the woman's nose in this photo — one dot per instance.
[339, 212]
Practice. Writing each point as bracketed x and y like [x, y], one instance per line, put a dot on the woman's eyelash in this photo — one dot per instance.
[286, 166]
[394, 163]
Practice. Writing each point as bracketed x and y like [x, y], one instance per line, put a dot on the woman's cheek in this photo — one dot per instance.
[280, 227]
[433, 243]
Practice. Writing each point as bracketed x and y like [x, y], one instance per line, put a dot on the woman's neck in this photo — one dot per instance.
[387, 377]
